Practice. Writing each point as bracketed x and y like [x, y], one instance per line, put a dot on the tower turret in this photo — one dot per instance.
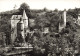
[63, 23]
[64, 17]
[26, 23]
[20, 30]
[78, 20]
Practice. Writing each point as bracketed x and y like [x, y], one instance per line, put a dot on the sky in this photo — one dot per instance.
[6, 5]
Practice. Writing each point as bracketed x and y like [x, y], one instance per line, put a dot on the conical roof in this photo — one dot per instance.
[25, 19]
[24, 15]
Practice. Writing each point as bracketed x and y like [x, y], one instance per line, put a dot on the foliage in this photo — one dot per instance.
[44, 42]
[73, 12]
[50, 42]
[25, 7]
[5, 27]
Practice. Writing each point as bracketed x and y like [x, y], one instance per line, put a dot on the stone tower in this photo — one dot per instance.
[78, 20]
[62, 24]
[20, 30]
[64, 17]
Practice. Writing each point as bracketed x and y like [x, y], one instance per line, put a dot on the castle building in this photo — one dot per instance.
[19, 25]
[62, 24]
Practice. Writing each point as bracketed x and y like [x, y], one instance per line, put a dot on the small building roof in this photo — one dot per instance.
[16, 17]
